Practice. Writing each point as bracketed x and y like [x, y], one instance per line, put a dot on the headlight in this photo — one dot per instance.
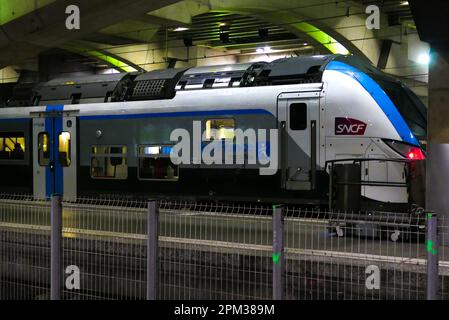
[406, 150]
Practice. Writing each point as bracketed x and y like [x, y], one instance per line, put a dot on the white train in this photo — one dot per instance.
[111, 134]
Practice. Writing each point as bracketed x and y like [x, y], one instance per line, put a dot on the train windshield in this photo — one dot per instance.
[409, 106]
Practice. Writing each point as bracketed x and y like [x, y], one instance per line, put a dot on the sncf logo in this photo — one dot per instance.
[348, 126]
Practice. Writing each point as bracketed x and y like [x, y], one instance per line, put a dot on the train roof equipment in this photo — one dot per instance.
[87, 89]
[156, 84]
[221, 76]
[164, 83]
[293, 70]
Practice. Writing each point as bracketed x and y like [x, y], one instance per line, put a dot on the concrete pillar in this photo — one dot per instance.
[437, 184]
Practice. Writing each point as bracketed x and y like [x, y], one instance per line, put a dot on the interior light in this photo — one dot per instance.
[64, 137]
[404, 3]
[151, 150]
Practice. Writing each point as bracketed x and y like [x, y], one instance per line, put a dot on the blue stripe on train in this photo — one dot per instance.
[177, 114]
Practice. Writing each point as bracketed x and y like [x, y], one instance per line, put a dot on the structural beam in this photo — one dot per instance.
[45, 27]
[119, 63]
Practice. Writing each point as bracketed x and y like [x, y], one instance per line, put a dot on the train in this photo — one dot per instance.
[114, 134]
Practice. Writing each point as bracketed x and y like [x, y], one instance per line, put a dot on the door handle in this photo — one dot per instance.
[52, 166]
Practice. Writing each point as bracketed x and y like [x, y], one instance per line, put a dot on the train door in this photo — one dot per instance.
[299, 117]
[54, 154]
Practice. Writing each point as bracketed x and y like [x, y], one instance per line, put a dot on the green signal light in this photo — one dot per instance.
[430, 247]
[276, 257]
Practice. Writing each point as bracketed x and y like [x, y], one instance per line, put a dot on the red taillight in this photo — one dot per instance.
[406, 150]
[415, 154]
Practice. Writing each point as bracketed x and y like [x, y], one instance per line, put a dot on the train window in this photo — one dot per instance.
[220, 129]
[109, 162]
[64, 150]
[43, 142]
[155, 163]
[298, 116]
[12, 146]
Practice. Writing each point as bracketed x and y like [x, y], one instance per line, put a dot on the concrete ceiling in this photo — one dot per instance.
[41, 24]
[133, 35]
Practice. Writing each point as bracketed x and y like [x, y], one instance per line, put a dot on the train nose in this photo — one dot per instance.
[406, 150]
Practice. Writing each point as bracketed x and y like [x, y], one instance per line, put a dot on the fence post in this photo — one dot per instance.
[55, 247]
[278, 252]
[432, 256]
[153, 251]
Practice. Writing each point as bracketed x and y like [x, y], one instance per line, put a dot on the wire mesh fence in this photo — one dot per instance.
[105, 241]
[24, 248]
[443, 255]
[215, 251]
[207, 254]
[349, 256]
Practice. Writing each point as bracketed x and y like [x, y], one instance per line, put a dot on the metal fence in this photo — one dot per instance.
[24, 248]
[125, 249]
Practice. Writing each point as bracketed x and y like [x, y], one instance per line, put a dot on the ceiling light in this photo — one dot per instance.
[180, 29]
[404, 3]
[424, 58]
[263, 50]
